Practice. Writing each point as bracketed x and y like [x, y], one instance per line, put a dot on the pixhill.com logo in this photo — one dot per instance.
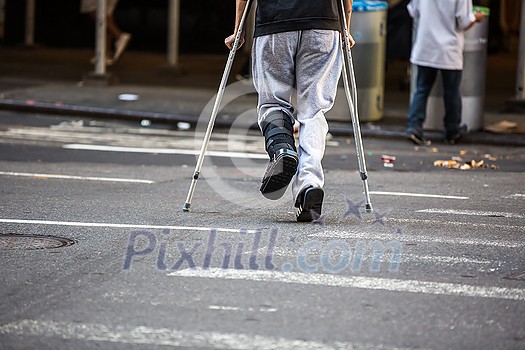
[259, 250]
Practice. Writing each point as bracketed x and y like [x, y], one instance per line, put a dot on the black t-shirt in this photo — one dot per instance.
[276, 16]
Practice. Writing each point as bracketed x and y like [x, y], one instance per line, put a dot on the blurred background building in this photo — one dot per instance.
[58, 23]
[203, 24]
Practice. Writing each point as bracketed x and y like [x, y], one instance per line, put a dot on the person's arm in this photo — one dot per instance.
[348, 14]
[478, 17]
[465, 18]
[240, 5]
[413, 9]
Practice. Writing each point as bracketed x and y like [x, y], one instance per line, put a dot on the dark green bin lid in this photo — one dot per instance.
[485, 10]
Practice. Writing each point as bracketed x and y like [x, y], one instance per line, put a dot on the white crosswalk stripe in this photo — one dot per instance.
[170, 337]
[361, 282]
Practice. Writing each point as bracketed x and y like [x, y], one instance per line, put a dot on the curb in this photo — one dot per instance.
[474, 138]
[32, 106]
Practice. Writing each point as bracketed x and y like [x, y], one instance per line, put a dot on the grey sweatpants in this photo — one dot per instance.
[309, 61]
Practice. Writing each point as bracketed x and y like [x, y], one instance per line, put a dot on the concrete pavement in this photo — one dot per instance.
[45, 80]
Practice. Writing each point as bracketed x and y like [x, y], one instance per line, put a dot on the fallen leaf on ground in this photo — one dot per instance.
[458, 163]
[489, 157]
[445, 163]
[504, 127]
[475, 164]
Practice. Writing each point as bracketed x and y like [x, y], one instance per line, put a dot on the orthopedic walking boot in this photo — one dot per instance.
[277, 129]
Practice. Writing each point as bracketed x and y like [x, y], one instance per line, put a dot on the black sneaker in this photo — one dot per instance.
[279, 173]
[452, 140]
[309, 204]
[418, 138]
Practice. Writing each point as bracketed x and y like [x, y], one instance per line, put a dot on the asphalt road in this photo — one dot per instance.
[97, 253]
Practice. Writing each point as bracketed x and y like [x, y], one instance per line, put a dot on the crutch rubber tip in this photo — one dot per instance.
[186, 207]
[368, 208]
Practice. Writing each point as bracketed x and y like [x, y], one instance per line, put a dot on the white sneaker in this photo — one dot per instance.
[120, 45]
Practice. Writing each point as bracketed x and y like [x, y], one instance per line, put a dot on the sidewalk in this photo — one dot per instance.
[44, 80]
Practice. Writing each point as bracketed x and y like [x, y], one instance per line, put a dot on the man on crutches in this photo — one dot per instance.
[297, 46]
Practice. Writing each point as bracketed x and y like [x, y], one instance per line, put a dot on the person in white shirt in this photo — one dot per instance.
[438, 47]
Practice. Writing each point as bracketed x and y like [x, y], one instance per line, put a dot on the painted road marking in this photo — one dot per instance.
[224, 308]
[169, 337]
[472, 213]
[73, 177]
[350, 233]
[164, 151]
[356, 233]
[291, 252]
[268, 309]
[61, 132]
[416, 195]
[360, 282]
[132, 226]
[440, 223]
[444, 259]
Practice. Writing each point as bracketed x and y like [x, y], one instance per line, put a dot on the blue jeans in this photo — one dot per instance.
[426, 77]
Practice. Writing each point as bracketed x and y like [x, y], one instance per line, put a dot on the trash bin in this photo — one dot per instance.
[368, 27]
[472, 83]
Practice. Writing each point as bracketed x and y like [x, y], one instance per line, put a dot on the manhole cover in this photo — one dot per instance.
[32, 242]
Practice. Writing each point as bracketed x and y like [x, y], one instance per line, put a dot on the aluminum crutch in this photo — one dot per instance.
[348, 70]
[215, 110]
